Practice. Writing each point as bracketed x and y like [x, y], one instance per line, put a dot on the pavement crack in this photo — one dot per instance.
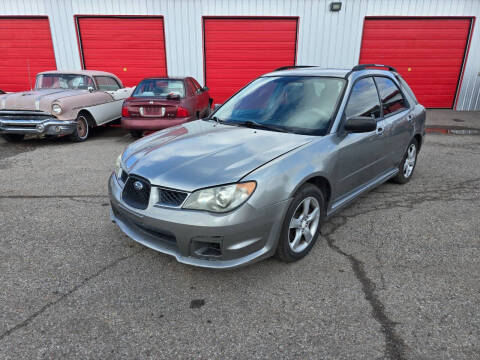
[45, 307]
[395, 346]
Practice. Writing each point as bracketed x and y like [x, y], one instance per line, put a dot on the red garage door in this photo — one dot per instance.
[237, 50]
[25, 49]
[428, 53]
[131, 48]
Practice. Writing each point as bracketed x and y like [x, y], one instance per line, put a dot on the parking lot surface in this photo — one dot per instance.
[393, 276]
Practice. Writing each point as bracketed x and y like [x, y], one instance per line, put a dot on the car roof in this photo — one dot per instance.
[166, 78]
[78, 72]
[319, 71]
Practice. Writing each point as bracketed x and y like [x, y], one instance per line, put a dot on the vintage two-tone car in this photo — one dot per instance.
[63, 103]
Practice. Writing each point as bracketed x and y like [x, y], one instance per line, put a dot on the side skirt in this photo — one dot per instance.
[344, 201]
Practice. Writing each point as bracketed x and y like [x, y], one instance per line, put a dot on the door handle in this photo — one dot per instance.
[380, 130]
[409, 117]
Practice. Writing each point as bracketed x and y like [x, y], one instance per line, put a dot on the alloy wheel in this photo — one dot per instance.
[303, 224]
[409, 163]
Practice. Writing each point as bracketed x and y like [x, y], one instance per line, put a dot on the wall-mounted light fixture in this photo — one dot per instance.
[336, 6]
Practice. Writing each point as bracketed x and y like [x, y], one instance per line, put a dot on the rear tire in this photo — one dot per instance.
[136, 134]
[82, 130]
[408, 163]
[301, 226]
[13, 137]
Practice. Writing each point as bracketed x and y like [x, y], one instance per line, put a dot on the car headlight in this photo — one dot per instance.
[221, 198]
[118, 166]
[56, 109]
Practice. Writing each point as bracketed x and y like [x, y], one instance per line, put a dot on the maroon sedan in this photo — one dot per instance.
[159, 103]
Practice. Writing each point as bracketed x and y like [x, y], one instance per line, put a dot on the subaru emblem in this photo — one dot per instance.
[138, 185]
[150, 102]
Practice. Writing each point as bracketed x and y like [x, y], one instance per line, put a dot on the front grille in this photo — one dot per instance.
[136, 192]
[171, 197]
[24, 115]
[160, 234]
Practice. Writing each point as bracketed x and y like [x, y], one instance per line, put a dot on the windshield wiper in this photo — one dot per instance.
[214, 118]
[256, 125]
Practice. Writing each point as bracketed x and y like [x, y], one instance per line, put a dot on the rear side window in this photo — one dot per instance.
[106, 83]
[363, 100]
[392, 98]
[196, 85]
[407, 89]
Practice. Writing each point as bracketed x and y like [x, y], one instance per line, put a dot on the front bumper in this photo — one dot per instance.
[244, 236]
[153, 123]
[48, 126]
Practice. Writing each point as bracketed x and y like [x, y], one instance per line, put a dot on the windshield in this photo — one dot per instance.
[64, 81]
[159, 88]
[293, 103]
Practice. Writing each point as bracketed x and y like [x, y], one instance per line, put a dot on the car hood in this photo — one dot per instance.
[202, 154]
[41, 99]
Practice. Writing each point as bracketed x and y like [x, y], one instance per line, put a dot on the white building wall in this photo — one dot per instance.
[328, 39]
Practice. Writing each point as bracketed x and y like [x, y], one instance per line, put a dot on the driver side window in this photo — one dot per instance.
[363, 100]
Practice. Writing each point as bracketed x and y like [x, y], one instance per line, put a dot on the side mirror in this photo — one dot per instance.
[205, 88]
[216, 106]
[173, 96]
[90, 89]
[360, 124]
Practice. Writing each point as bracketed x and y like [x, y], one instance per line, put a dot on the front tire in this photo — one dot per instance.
[82, 130]
[407, 165]
[136, 134]
[301, 226]
[13, 137]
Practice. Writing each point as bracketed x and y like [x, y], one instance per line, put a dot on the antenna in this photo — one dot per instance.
[28, 71]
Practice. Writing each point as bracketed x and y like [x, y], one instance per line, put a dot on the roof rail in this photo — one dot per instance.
[364, 66]
[293, 67]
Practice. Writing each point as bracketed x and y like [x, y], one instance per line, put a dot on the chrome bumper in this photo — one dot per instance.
[48, 126]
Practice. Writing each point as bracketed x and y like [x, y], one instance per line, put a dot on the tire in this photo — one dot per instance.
[136, 134]
[294, 243]
[82, 130]
[408, 163]
[13, 137]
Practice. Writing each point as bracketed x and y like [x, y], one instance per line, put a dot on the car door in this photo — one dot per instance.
[397, 119]
[361, 157]
[204, 97]
[193, 101]
[107, 108]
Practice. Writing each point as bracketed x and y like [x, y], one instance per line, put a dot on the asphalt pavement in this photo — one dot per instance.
[396, 275]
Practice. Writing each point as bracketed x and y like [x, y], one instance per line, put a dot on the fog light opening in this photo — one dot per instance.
[207, 249]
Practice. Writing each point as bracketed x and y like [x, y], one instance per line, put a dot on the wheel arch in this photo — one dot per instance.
[419, 139]
[321, 182]
[89, 116]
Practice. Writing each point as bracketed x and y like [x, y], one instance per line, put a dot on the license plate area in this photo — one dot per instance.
[152, 111]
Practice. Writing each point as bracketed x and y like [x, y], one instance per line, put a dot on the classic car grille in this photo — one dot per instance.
[23, 115]
[136, 197]
[171, 197]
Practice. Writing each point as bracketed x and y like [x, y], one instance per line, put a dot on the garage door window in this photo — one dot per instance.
[392, 98]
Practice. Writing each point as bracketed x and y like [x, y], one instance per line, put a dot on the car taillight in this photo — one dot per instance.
[182, 112]
[125, 112]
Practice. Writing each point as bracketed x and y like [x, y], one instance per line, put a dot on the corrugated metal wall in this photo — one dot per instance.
[325, 38]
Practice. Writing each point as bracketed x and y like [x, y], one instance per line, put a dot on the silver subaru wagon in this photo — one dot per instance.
[259, 176]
